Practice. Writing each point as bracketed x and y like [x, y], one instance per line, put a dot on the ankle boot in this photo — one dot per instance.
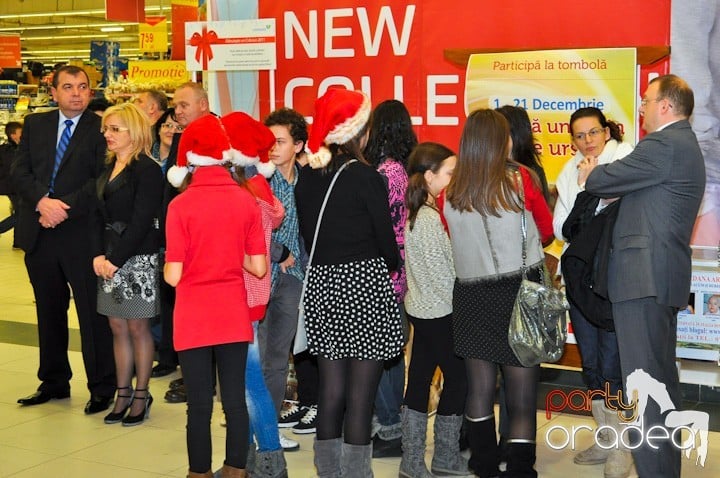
[327, 457]
[521, 459]
[270, 464]
[356, 461]
[251, 458]
[207, 474]
[414, 431]
[228, 471]
[596, 454]
[619, 461]
[484, 455]
[447, 460]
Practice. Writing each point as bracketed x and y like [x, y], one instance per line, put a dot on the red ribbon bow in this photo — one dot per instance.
[203, 44]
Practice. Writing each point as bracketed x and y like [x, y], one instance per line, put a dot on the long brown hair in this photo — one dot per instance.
[425, 157]
[481, 180]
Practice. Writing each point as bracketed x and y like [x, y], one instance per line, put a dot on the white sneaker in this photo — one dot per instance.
[288, 444]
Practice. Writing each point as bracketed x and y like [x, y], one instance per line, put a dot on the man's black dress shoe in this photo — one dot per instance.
[97, 404]
[42, 396]
[177, 383]
[176, 395]
[161, 370]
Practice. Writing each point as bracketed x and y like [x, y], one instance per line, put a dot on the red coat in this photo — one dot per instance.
[210, 228]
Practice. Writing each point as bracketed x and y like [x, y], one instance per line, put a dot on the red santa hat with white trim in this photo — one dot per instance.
[251, 142]
[203, 143]
[340, 115]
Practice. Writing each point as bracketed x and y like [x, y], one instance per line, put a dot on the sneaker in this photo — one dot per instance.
[290, 414]
[307, 422]
[288, 444]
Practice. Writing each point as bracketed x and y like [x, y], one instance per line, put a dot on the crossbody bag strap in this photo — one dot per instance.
[523, 220]
[317, 226]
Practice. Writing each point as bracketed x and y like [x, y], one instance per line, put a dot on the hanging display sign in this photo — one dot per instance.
[182, 11]
[10, 51]
[230, 45]
[550, 85]
[125, 10]
[163, 74]
[152, 35]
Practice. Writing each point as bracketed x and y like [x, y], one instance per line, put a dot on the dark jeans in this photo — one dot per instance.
[389, 397]
[199, 372]
[599, 353]
[306, 370]
[432, 348]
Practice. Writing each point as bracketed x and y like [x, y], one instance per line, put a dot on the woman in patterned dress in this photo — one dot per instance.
[127, 242]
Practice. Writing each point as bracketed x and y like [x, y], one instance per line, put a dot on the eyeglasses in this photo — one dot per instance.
[645, 101]
[112, 129]
[176, 127]
[590, 134]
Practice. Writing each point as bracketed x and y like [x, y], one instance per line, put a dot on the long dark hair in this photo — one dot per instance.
[481, 180]
[592, 112]
[391, 134]
[523, 150]
[425, 157]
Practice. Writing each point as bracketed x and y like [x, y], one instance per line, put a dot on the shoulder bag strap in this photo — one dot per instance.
[523, 221]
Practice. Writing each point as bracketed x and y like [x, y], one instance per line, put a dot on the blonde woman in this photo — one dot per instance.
[126, 244]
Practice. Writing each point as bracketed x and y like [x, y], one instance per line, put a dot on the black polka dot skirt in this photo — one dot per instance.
[351, 311]
[481, 317]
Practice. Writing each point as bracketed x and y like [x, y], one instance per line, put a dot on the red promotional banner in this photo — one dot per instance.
[125, 10]
[417, 52]
[10, 51]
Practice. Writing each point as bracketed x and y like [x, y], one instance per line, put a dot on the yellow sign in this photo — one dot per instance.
[185, 3]
[153, 34]
[163, 74]
[551, 85]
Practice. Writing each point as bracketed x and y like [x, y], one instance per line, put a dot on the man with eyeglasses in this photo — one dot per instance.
[153, 102]
[661, 184]
[61, 154]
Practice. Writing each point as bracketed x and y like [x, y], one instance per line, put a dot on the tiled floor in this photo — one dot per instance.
[57, 440]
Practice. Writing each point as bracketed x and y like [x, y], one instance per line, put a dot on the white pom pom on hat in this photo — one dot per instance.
[340, 114]
[203, 143]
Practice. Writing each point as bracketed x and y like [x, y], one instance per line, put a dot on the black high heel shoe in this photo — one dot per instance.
[116, 417]
[132, 420]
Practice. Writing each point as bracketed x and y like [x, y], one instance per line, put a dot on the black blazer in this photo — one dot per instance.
[75, 181]
[130, 202]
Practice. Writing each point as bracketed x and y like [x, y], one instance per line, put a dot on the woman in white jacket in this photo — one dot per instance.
[594, 136]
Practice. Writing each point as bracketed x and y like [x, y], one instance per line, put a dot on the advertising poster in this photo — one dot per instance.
[230, 45]
[550, 85]
[10, 56]
[698, 326]
[166, 75]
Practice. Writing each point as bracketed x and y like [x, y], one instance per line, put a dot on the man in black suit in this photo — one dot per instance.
[61, 154]
[661, 184]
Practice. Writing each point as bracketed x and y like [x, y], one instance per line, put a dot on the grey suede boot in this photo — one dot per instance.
[270, 464]
[327, 457]
[596, 454]
[356, 461]
[619, 461]
[447, 460]
[414, 432]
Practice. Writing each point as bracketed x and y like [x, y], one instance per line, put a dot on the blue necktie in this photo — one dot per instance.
[60, 151]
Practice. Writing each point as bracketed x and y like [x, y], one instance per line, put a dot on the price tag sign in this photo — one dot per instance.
[153, 34]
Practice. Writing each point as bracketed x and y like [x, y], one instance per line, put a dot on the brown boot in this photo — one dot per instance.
[232, 472]
[207, 474]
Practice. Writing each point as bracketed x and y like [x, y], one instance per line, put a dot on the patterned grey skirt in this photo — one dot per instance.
[132, 293]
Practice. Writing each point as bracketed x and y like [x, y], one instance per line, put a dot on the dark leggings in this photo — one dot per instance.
[345, 400]
[198, 372]
[521, 396]
[433, 347]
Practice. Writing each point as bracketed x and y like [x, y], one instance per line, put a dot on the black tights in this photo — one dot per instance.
[520, 396]
[345, 400]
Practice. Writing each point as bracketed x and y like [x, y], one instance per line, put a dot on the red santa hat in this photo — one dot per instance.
[203, 143]
[340, 115]
[251, 142]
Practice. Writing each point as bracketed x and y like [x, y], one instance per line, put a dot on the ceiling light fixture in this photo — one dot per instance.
[112, 29]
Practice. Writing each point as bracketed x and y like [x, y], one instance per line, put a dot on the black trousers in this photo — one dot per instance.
[60, 261]
[199, 374]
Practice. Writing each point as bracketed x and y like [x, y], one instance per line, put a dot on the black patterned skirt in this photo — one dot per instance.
[351, 311]
[481, 317]
[132, 293]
